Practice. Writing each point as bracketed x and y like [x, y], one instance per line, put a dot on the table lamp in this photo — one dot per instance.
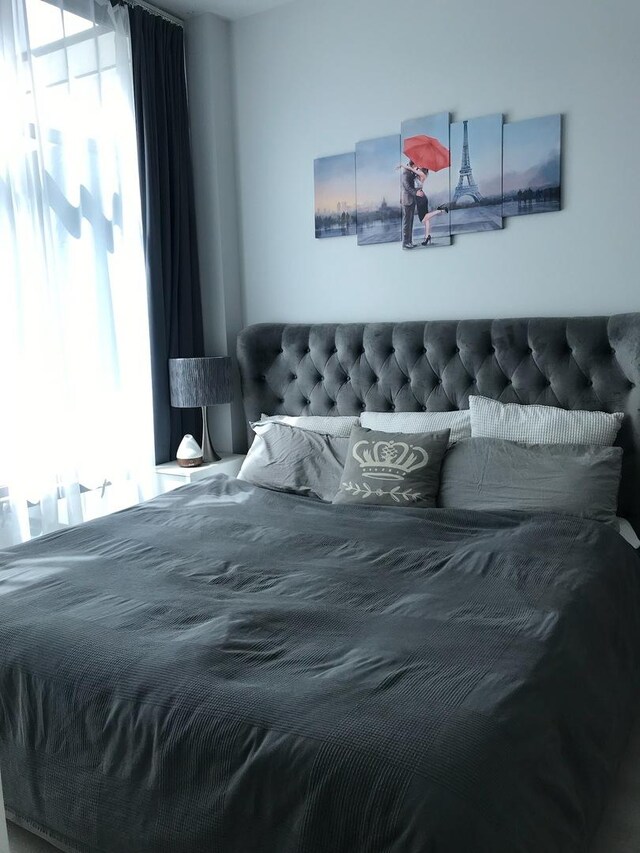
[200, 382]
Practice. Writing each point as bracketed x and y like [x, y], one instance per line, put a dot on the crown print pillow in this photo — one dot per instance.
[392, 468]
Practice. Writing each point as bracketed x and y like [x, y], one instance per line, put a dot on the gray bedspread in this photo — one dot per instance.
[231, 670]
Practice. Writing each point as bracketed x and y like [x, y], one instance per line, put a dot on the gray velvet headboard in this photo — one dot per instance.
[342, 369]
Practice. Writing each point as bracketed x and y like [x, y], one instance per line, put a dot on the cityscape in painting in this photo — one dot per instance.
[335, 192]
[378, 204]
[531, 172]
[476, 186]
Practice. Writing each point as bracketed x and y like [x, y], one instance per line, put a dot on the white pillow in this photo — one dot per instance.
[541, 424]
[627, 532]
[323, 424]
[458, 422]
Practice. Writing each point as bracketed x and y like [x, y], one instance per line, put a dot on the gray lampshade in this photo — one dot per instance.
[199, 381]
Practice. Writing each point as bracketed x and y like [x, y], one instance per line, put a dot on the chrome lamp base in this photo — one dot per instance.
[208, 453]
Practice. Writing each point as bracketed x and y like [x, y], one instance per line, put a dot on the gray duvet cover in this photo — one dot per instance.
[231, 670]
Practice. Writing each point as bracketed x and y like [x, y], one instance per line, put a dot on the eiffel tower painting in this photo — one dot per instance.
[466, 174]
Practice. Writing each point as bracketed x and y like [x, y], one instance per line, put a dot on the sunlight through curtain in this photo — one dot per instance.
[75, 386]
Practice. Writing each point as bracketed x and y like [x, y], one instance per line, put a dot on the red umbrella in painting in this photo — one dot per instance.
[427, 152]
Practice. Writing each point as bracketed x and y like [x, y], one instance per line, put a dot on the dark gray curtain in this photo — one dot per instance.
[168, 215]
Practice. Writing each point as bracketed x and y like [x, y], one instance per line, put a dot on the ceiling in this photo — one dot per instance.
[231, 9]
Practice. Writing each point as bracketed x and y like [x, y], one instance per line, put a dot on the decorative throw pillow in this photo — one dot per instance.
[458, 422]
[323, 424]
[287, 459]
[493, 474]
[542, 424]
[392, 468]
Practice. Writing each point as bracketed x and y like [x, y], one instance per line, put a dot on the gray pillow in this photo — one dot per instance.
[458, 422]
[288, 459]
[494, 474]
[392, 469]
[536, 424]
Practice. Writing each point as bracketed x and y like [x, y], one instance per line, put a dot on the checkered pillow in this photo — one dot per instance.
[457, 422]
[541, 424]
[325, 425]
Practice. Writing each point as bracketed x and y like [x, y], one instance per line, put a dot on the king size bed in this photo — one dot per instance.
[237, 669]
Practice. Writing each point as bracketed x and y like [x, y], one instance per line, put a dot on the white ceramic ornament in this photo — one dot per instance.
[189, 453]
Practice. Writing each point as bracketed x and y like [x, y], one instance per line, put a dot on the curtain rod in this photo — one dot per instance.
[153, 10]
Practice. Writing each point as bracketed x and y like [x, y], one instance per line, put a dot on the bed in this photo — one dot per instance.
[231, 668]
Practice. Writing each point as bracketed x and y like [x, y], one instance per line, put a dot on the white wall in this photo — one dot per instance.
[312, 78]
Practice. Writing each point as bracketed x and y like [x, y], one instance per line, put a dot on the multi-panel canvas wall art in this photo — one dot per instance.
[476, 174]
[531, 170]
[424, 181]
[437, 179]
[335, 195]
[378, 197]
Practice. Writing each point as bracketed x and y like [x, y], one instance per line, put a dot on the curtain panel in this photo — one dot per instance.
[168, 215]
[75, 381]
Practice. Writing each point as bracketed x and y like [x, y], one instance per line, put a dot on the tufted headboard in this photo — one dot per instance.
[342, 369]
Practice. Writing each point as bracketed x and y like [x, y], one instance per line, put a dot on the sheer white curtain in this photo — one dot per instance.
[75, 382]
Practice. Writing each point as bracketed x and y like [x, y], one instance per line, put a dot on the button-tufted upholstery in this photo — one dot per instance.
[342, 369]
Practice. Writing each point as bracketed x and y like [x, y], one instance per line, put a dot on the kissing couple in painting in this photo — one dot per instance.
[415, 200]
[425, 154]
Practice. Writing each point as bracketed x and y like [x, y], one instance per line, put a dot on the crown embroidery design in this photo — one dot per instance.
[388, 460]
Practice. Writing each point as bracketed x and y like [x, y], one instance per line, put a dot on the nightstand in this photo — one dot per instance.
[173, 475]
